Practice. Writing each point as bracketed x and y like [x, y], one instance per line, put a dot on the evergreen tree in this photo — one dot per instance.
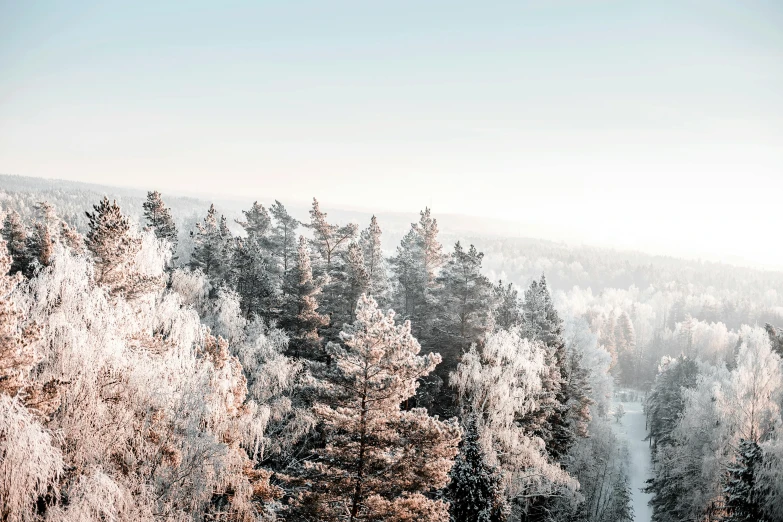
[561, 413]
[71, 238]
[374, 262]
[358, 280]
[507, 312]
[254, 270]
[159, 219]
[40, 244]
[408, 278]
[463, 298]
[619, 508]
[416, 266]
[330, 245]
[744, 499]
[112, 244]
[15, 236]
[329, 239]
[625, 342]
[253, 280]
[474, 491]
[379, 462]
[283, 239]
[302, 319]
[775, 337]
[212, 246]
[608, 340]
[665, 403]
[257, 225]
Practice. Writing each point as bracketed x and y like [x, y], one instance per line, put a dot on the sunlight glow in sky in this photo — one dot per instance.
[650, 125]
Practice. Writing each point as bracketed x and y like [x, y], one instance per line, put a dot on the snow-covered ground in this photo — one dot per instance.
[632, 429]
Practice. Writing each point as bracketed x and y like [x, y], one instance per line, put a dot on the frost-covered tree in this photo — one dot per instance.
[159, 219]
[113, 246]
[302, 318]
[666, 402]
[212, 246]
[463, 298]
[379, 462]
[329, 239]
[283, 239]
[474, 491]
[153, 420]
[561, 414]
[17, 339]
[254, 270]
[15, 236]
[357, 278]
[374, 262]
[416, 266]
[745, 500]
[625, 343]
[507, 312]
[499, 386]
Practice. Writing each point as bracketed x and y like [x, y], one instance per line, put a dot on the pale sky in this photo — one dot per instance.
[653, 125]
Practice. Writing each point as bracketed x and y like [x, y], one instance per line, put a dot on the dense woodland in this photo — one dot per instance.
[264, 366]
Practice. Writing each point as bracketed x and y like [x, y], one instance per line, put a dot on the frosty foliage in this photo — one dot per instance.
[30, 460]
[213, 368]
[497, 386]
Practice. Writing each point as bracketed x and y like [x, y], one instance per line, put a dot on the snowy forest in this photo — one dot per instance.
[167, 361]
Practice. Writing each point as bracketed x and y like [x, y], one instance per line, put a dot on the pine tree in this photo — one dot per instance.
[40, 244]
[409, 281]
[212, 249]
[329, 239]
[474, 491]
[608, 341]
[416, 266]
[625, 339]
[253, 279]
[541, 323]
[463, 305]
[375, 264]
[283, 239]
[665, 403]
[744, 498]
[776, 338]
[71, 238]
[302, 318]
[159, 219]
[111, 243]
[358, 280]
[257, 224]
[330, 245]
[507, 312]
[15, 236]
[620, 508]
[379, 462]
[254, 271]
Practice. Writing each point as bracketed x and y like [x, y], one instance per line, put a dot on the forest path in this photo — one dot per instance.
[633, 429]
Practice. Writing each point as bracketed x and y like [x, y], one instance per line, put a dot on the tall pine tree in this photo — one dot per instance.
[374, 262]
[302, 318]
[744, 498]
[379, 462]
[159, 219]
[283, 239]
[113, 246]
[475, 491]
